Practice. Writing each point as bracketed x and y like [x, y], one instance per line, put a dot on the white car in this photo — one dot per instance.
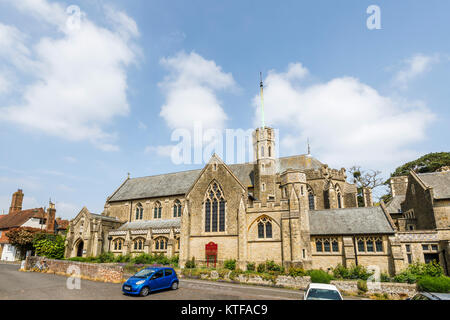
[321, 291]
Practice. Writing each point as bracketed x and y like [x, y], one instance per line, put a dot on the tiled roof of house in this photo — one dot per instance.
[394, 205]
[151, 224]
[366, 220]
[62, 224]
[14, 220]
[439, 181]
[178, 183]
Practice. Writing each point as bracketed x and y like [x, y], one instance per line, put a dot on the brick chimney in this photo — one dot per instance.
[51, 212]
[16, 202]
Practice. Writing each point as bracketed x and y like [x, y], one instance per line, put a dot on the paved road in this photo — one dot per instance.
[31, 285]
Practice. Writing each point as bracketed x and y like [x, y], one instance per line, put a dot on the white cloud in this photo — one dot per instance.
[412, 68]
[80, 75]
[70, 159]
[190, 91]
[347, 121]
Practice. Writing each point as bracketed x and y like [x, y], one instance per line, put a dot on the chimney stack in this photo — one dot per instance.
[16, 202]
[51, 213]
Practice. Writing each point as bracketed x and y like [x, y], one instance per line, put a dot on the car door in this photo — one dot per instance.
[168, 275]
[157, 280]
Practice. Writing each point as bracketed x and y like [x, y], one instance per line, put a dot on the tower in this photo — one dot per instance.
[263, 150]
[295, 224]
[16, 202]
[264, 156]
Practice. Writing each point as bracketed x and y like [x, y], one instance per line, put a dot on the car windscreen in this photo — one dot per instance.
[144, 273]
[323, 294]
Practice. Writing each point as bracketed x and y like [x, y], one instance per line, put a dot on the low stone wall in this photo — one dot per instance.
[279, 281]
[89, 271]
[391, 288]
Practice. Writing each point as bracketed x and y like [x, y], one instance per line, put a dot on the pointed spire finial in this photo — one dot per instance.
[261, 86]
[128, 175]
[309, 147]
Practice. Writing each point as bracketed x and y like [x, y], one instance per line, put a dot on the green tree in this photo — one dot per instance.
[427, 163]
[49, 245]
[22, 239]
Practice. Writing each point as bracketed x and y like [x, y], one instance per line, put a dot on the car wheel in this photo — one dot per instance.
[144, 292]
[174, 285]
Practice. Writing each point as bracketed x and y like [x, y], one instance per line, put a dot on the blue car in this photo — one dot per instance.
[151, 279]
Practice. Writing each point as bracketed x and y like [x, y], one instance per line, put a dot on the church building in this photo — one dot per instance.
[293, 210]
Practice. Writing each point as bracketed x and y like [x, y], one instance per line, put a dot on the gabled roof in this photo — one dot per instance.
[14, 220]
[178, 183]
[366, 220]
[151, 224]
[439, 181]
[394, 205]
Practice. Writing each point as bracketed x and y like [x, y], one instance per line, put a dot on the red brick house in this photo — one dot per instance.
[36, 218]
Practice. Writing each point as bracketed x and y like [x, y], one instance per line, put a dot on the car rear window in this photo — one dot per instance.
[323, 294]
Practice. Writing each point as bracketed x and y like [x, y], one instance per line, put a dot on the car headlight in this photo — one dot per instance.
[140, 282]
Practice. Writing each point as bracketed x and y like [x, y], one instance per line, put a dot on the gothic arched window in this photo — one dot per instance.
[161, 243]
[118, 244]
[138, 244]
[177, 209]
[264, 228]
[311, 200]
[326, 199]
[157, 210]
[139, 212]
[215, 208]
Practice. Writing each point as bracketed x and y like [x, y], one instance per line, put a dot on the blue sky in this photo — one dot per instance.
[83, 104]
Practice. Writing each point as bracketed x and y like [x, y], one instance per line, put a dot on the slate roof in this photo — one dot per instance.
[151, 224]
[367, 220]
[439, 181]
[16, 219]
[102, 217]
[394, 205]
[178, 183]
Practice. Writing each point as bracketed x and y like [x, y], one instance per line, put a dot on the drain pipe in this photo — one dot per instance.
[354, 248]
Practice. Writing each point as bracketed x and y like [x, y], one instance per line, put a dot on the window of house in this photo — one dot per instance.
[326, 199]
[161, 243]
[409, 256]
[361, 247]
[327, 245]
[434, 247]
[311, 202]
[319, 246]
[263, 187]
[215, 209]
[370, 244]
[157, 210]
[118, 244]
[425, 247]
[139, 212]
[339, 200]
[408, 248]
[177, 209]
[264, 228]
[138, 244]
[379, 245]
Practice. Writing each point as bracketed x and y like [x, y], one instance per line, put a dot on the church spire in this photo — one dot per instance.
[261, 86]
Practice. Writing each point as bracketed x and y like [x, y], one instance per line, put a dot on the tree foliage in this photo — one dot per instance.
[427, 163]
[49, 245]
[22, 238]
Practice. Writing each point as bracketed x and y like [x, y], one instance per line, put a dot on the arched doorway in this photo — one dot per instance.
[80, 248]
